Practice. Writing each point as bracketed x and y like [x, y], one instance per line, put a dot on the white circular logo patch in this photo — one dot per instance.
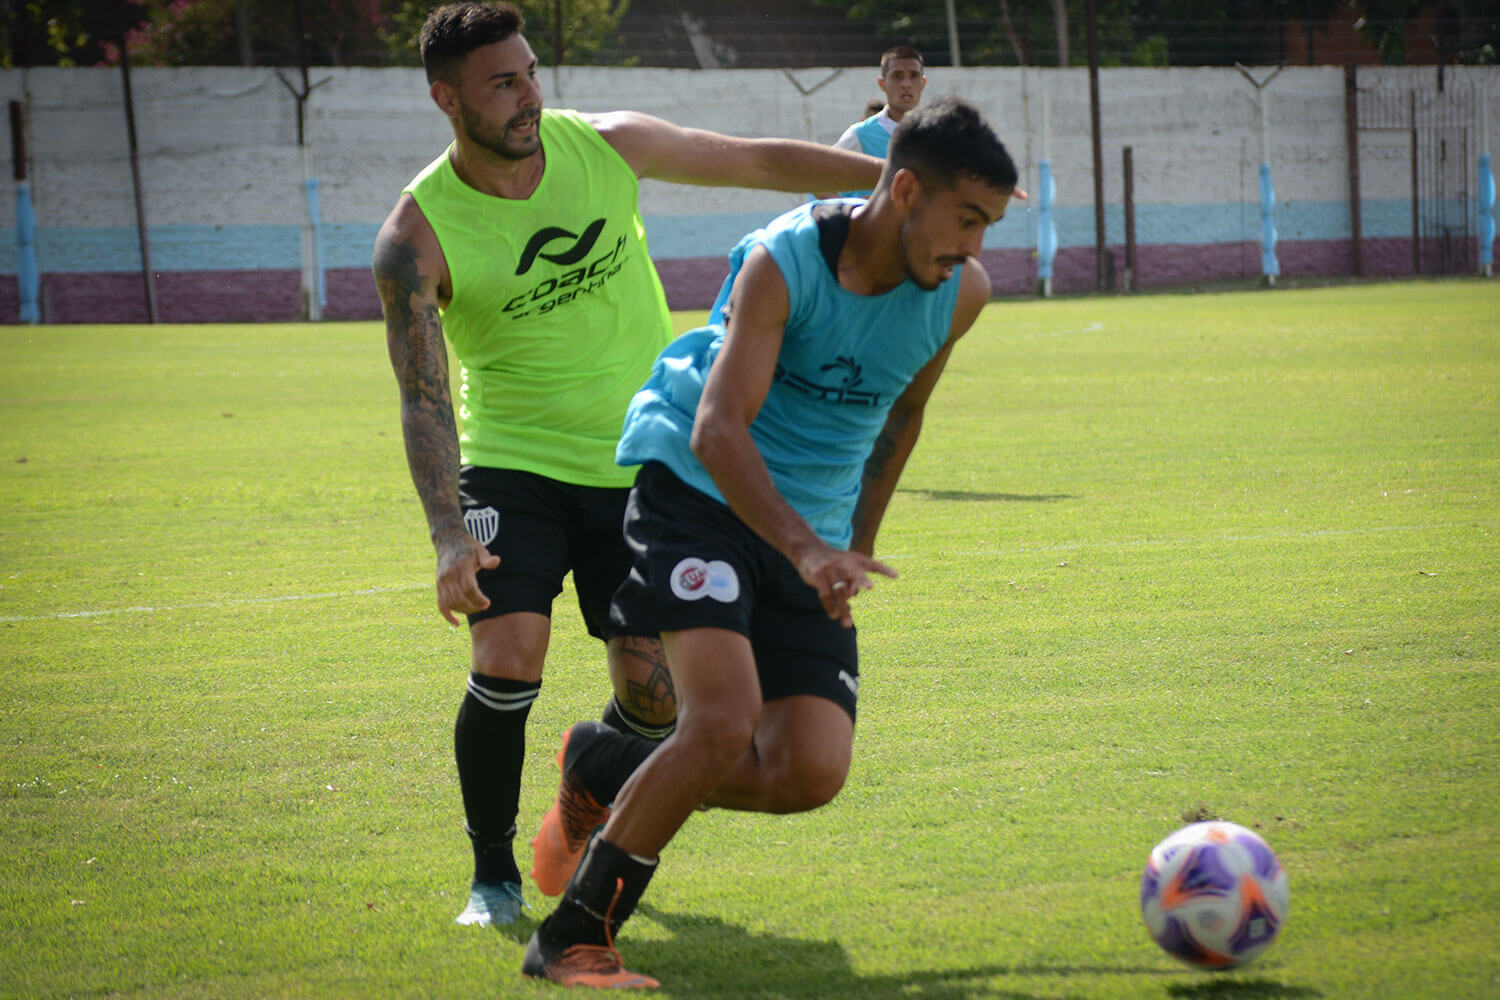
[693, 579]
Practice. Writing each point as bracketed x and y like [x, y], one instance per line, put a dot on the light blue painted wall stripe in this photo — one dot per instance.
[680, 236]
[348, 245]
[173, 248]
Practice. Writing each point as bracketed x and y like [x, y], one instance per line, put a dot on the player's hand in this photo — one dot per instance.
[460, 559]
[837, 575]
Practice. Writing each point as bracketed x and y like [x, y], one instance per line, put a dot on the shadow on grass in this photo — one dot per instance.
[1241, 989]
[530, 919]
[971, 495]
[708, 957]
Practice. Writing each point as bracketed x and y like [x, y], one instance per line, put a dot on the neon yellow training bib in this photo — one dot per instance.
[557, 312]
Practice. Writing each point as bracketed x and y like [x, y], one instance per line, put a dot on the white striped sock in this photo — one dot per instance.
[502, 701]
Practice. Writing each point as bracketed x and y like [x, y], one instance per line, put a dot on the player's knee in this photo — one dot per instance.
[813, 788]
[804, 783]
[509, 663]
[511, 653]
[717, 738]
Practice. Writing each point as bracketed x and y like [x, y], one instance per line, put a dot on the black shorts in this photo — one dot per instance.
[542, 528]
[697, 565]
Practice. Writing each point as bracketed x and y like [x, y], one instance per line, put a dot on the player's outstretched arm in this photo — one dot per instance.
[663, 151]
[411, 275]
[903, 425]
[736, 388]
[850, 141]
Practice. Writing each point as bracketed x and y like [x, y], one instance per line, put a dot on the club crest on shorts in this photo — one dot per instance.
[693, 579]
[483, 523]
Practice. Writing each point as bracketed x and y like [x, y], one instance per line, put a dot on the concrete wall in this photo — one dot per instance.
[223, 178]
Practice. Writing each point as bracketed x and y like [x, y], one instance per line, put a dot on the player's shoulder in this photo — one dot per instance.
[795, 233]
[405, 223]
[974, 290]
[621, 125]
[641, 140]
[406, 236]
[975, 281]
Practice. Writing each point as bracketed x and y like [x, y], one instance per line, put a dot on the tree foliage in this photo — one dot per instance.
[329, 32]
[994, 32]
[1383, 24]
[1025, 32]
[62, 32]
[273, 32]
[1170, 32]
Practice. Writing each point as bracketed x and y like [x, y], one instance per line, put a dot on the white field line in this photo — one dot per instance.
[968, 553]
[1094, 327]
[143, 609]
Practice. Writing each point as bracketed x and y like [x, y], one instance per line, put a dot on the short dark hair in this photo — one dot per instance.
[900, 52]
[454, 30]
[948, 138]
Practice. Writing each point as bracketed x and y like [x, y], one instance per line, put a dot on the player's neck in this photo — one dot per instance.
[495, 175]
[871, 262]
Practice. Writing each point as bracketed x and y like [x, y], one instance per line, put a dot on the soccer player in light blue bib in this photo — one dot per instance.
[770, 442]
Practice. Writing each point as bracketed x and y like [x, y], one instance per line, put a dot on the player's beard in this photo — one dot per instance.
[910, 228]
[484, 134]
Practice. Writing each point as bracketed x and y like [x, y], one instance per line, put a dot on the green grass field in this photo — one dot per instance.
[1163, 557]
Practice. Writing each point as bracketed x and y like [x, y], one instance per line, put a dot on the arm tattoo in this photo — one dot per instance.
[414, 340]
[880, 453]
[886, 445]
[882, 468]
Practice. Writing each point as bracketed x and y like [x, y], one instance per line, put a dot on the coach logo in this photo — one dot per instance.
[558, 290]
[693, 579]
[483, 523]
[579, 250]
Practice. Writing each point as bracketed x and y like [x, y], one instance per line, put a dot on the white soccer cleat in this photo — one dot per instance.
[491, 904]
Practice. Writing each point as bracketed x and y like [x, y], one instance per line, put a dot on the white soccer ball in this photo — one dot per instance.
[1214, 895]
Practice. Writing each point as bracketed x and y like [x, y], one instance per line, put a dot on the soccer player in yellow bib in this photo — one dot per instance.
[523, 244]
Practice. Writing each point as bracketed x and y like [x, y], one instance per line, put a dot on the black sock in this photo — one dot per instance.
[607, 886]
[622, 720]
[494, 860]
[489, 745]
[609, 760]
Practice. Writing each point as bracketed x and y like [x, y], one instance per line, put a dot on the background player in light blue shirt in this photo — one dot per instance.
[903, 77]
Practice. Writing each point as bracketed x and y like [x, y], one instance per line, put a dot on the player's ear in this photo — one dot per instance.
[905, 189]
[445, 96]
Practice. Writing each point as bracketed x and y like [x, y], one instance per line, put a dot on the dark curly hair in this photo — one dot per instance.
[945, 139]
[456, 29]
